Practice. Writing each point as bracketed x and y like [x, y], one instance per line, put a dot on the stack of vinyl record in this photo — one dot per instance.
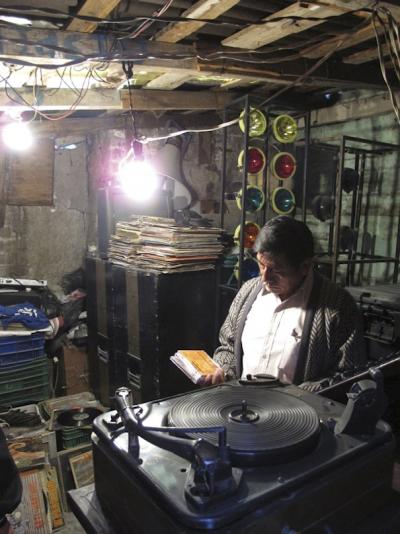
[76, 426]
[160, 244]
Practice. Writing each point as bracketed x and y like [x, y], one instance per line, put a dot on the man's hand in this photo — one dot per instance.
[212, 380]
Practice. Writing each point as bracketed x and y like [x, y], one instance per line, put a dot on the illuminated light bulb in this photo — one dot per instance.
[251, 230]
[255, 199]
[256, 160]
[284, 128]
[17, 136]
[257, 122]
[250, 269]
[283, 165]
[137, 178]
[283, 201]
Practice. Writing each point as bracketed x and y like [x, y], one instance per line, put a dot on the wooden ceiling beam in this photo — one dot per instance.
[92, 8]
[207, 9]
[255, 36]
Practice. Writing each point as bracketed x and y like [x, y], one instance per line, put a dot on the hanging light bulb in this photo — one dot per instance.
[284, 128]
[283, 201]
[283, 165]
[257, 122]
[254, 199]
[137, 177]
[251, 230]
[256, 160]
[17, 136]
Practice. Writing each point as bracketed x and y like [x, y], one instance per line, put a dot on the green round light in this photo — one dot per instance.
[254, 199]
[283, 201]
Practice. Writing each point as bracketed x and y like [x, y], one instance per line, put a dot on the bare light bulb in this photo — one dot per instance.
[17, 136]
[137, 178]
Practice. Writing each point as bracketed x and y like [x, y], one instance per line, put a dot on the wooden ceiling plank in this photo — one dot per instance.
[359, 36]
[364, 56]
[92, 8]
[255, 36]
[203, 9]
[169, 80]
[143, 100]
[61, 99]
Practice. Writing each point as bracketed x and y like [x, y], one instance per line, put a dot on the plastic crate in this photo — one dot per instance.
[25, 396]
[10, 344]
[21, 358]
[75, 438]
[11, 372]
[21, 384]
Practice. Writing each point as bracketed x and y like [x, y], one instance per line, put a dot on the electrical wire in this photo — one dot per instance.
[392, 41]
[145, 25]
[145, 140]
[54, 13]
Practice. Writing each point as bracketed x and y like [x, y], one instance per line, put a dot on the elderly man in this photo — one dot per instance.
[291, 322]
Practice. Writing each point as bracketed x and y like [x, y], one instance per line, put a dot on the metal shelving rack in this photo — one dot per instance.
[233, 110]
[367, 148]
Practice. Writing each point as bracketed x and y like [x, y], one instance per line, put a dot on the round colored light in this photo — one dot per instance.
[251, 230]
[350, 178]
[283, 165]
[256, 160]
[323, 207]
[257, 122]
[283, 200]
[254, 199]
[249, 269]
[284, 128]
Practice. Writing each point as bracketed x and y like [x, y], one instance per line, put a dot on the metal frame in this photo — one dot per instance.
[354, 257]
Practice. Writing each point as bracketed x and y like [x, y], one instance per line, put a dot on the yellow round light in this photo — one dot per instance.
[257, 122]
[284, 128]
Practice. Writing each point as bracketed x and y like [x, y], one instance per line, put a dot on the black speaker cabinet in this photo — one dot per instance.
[156, 314]
[107, 366]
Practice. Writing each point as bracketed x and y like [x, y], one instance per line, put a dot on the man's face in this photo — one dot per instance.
[278, 276]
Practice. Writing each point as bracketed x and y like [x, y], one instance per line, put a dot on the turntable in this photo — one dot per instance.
[245, 456]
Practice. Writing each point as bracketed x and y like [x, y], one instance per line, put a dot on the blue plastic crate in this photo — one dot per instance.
[22, 357]
[9, 344]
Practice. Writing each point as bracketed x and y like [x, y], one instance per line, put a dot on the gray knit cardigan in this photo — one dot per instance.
[331, 340]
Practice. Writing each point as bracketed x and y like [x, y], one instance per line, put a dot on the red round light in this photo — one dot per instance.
[283, 165]
[255, 160]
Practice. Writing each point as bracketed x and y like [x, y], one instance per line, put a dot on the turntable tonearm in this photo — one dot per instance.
[243, 457]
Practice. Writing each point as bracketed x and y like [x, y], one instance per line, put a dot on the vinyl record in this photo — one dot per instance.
[78, 417]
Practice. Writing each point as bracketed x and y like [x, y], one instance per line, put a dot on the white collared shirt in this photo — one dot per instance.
[272, 333]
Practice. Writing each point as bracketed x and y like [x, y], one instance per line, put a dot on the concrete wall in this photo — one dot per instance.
[45, 242]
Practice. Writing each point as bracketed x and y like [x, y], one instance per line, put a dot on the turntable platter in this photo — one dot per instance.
[262, 425]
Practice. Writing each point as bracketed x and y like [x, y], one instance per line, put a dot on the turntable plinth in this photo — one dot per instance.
[294, 470]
